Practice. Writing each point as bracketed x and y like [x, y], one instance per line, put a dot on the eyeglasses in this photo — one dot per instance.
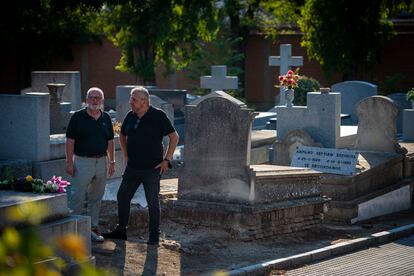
[137, 123]
[95, 98]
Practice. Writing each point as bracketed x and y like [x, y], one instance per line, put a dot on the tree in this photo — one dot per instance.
[42, 31]
[152, 31]
[342, 35]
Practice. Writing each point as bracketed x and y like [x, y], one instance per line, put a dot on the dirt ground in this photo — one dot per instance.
[186, 250]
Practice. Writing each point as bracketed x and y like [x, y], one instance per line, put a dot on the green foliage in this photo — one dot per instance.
[149, 32]
[275, 15]
[219, 52]
[341, 35]
[410, 95]
[42, 31]
[305, 85]
[390, 84]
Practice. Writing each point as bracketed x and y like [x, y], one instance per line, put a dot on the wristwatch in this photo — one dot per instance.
[112, 162]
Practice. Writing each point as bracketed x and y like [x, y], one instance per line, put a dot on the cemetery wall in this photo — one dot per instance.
[97, 62]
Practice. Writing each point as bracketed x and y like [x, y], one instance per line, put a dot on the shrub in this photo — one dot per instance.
[305, 85]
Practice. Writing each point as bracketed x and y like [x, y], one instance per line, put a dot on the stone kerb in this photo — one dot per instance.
[71, 93]
[216, 154]
[377, 129]
[25, 127]
[351, 93]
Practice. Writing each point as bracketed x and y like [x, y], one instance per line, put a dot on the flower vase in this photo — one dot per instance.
[289, 96]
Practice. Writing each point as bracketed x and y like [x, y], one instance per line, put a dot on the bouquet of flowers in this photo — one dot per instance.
[290, 80]
[56, 185]
[23, 184]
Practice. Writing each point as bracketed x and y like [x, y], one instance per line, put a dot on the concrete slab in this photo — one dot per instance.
[56, 205]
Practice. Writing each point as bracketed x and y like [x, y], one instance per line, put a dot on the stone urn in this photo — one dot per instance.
[56, 91]
[289, 96]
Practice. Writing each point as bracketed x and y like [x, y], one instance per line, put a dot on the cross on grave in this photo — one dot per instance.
[285, 61]
[218, 79]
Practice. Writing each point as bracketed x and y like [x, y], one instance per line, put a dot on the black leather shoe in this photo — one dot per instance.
[117, 234]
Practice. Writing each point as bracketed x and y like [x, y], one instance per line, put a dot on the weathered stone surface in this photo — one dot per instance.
[278, 183]
[16, 168]
[408, 124]
[71, 79]
[376, 171]
[251, 222]
[351, 93]
[284, 149]
[320, 118]
[56, 205]
[216, 154]
[377, 124]
[24, 130]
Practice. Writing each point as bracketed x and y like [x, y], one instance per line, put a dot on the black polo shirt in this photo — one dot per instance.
[91, 136]
[144, 137]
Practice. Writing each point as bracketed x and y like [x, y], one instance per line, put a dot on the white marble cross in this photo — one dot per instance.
[285, 61]
[218, 79]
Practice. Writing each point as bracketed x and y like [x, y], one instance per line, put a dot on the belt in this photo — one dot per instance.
[93, 156]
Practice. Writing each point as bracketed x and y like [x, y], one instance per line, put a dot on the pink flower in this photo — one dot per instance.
[61, 184]
[290, 80]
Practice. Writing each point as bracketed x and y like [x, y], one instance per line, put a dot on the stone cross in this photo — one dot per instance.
[285, 61]
[218, 79]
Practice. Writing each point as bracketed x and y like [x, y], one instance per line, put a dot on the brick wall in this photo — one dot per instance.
[97, 61]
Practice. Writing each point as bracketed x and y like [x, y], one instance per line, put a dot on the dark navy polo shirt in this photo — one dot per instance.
[91, 136]
[144, 137]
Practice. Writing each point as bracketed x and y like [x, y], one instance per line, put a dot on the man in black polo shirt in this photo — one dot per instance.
[141, 142]
[89, 141]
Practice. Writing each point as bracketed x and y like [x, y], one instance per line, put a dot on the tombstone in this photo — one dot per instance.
[219, 188]
[123, 93]
[284, 150]
[285, 61]
[377, 188]
[59, 111]
[216, 151]
[218, 80]
[320, 119]
[351, 93]
[400, 100]
[176, 97]
[71, 79]
[24, 127]
[408, 124]
[55, 224]
[167, 108]
[377, 129]
[172, 96]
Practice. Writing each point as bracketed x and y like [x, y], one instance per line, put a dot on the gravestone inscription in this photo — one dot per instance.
[326, 160]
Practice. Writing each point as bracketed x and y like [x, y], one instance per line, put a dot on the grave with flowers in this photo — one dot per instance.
[24, 195]
[378, 183]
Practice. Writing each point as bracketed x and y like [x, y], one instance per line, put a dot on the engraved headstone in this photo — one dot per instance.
[326, 160]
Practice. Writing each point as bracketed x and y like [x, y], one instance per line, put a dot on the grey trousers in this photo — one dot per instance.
[90, 179]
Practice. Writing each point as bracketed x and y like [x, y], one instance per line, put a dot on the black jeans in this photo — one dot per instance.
[131, 180]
